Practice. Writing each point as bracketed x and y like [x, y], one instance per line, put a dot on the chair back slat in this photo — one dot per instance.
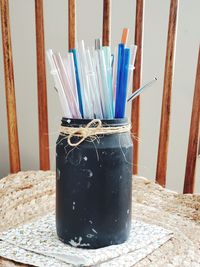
[166, 100]
[10, 89]
[106, 22]
[135, 115]
[42, 88]
[71, 24]
[193, 136]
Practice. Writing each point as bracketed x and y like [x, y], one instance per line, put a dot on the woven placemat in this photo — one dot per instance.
[36, 243]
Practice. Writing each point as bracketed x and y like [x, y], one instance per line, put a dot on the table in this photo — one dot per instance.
[26, 196]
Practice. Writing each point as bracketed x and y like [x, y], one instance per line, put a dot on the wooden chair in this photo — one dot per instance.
[14, 151]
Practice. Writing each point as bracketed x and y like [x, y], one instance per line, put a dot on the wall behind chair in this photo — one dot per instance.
[89, 26]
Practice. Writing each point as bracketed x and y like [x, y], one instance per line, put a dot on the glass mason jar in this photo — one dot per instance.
[94, 187]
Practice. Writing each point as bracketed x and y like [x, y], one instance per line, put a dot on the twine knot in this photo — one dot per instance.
[91, 130]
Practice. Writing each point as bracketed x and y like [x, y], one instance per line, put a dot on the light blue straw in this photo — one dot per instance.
[73, 51]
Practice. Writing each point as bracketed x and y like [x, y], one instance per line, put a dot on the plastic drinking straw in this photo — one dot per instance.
[64, 77]
[106, 94]
[94, 87]
[119, 67]
[58, 85]
[122, 92]
[133, 51]
[118, 63]
[114, 79]
[97, 44]
[124, 36]
[81, 81]
[70, 71]
[108, 62]
[99, 82]
[140, 90]
[73, 51]
[66, 85]
[88, 108]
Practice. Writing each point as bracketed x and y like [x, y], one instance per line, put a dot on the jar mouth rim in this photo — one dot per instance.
[106, 122]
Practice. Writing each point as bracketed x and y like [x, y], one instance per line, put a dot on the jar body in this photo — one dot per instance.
[94, 189]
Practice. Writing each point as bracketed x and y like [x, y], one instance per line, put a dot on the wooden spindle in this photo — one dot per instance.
[71, 24]
[106, 22]
[135, 115]
[10, 88]
[166, 100]
[193, 136]
[42, 89]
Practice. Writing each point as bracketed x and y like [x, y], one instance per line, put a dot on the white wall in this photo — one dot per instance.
[89, 26]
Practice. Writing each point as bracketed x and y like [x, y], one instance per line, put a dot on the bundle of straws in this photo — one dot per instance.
[93, 83]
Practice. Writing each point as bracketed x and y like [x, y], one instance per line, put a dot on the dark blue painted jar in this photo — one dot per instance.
[94, 187]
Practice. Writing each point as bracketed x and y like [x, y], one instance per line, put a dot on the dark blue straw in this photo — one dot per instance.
[122, 92]
[119, 70]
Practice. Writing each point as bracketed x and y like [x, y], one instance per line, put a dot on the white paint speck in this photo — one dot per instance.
[120, 177]
[85, 158]
[73, 205]
[87, 172]
[93, 230]
[89, 235]
[90, 221]
[90, 174]
[58, 174]
[76, 244]
[116, 220]
[68, 121]
[128, 211]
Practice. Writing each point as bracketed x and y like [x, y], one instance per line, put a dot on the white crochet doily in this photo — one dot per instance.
[37, 244]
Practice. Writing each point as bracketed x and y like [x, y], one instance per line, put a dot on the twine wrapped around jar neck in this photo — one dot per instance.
[92, 130]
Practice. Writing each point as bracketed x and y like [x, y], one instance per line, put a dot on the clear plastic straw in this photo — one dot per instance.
[94, 87]
[68, 61]
[58, 85]
[87, 103]
[99, 82]
[133, 51]
[66, 85]
[108, 62]
[105, 88]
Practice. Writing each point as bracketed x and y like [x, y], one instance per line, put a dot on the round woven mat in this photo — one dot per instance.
[28, 195]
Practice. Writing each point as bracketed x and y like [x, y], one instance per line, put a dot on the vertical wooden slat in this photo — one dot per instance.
[42, 90]
[166, 100]
[194, 136]
[135, 115]
[10, 89]
[71, 24]
[106, 22]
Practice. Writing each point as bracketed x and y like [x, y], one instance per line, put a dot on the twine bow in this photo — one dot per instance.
[92, 130]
